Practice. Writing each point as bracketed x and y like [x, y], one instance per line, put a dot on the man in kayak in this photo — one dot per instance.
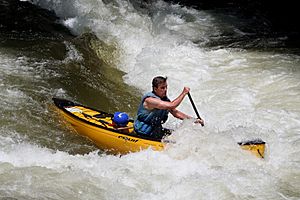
[155, 107]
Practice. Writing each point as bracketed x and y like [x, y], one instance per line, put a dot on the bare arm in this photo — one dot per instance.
[151, 102]
[180, 115]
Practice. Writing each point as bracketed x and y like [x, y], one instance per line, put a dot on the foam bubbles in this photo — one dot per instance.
[240, 94]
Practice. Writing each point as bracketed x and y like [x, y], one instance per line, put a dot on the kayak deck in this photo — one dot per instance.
[98, 118]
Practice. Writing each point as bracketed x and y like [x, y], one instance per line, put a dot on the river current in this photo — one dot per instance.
[244, 81]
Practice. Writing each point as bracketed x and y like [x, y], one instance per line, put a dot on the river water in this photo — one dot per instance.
[244, 81]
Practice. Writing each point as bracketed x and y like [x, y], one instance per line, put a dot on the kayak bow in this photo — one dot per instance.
[257, 147]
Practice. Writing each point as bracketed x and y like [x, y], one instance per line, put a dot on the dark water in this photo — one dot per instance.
[244, 77]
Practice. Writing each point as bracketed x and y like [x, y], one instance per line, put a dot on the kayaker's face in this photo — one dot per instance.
[161, 90]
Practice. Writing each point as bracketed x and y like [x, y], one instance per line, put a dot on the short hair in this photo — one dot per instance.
[158, 80]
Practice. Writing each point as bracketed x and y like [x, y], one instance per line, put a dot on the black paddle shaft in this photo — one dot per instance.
[195, 109]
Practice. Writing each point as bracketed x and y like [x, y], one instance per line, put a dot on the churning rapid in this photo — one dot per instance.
[244, 81]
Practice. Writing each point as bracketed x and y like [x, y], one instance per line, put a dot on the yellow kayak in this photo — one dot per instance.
[99, 128]
[257, 147]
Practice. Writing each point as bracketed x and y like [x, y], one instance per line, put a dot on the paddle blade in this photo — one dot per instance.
[257, 147]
